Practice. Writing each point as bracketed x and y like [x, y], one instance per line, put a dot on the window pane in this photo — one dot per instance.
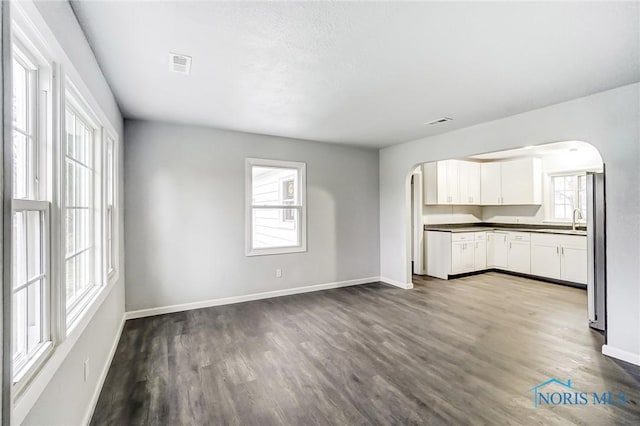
[21, 97]
[275, 228]
[70, 267]
[34, 315]
[80, 224]
[20, 324]
[19, 250]
[70, 126]
[34, 244]
[21, 166]
[271, 186]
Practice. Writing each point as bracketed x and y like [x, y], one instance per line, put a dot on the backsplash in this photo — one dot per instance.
[513, 214]
[434, 215]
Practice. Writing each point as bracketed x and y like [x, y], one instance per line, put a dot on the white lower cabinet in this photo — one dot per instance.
[562, 257]
[519, 252]
[497, 250]
[480, 251]
[462, 257]
[557, 256]
[545, 260]
[453, 253]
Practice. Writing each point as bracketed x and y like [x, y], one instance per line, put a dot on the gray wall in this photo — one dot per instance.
[607, 120]
[67, 399]
[185, 215]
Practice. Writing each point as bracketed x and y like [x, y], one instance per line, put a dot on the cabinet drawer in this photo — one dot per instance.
[518, 236]
[480, 236]
[462, 236]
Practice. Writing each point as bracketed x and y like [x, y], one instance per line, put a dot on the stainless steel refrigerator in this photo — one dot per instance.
[596, 277]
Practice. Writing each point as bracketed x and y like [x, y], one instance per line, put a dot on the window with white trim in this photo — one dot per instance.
[81, 208]
[276, 207]
[568, 193]
[31, 268]
[110, 220]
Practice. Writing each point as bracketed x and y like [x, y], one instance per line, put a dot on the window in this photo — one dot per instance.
[63, 232]
[276, 207]
[31, 274]
[81, 206]
[110, 178]
[569, 192]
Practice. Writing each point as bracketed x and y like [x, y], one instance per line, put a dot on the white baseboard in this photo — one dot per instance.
[103, 376]
[395, 283]
[246, 298]
[620, 354]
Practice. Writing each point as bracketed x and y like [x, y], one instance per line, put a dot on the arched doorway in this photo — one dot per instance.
[535, 212]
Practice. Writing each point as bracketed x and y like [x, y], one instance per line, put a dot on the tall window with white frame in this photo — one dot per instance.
[81, 207]
[31, 206]
[276, 207]
[110, 177]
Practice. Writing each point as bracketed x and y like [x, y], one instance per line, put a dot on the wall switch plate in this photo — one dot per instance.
[278, 273]
[85, 370]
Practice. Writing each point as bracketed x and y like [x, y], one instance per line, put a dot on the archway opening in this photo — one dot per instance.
[534, 213]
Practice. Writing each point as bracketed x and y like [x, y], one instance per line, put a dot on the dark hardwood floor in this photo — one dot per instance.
[465, 351]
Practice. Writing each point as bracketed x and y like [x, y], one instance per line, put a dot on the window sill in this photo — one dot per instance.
[273, 251]
[32, 368]
[41, 378]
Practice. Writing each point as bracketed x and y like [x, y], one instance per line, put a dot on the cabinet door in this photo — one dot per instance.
[463, 182]
[473, 183]
[453, 181]
[448, 182]
[490, 183]
[496, 250]
[457, 258]
[479, 255]
[521, 181]
[461, 257]
[545, 260]
[574, 264]
[519, 257]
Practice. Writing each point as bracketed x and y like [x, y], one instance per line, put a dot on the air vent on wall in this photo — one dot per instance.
[180, 63]
[439, 120]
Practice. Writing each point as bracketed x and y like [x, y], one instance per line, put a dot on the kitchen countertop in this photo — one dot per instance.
[504, 227]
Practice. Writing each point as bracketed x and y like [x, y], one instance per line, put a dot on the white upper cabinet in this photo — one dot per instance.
[469, 182]
[451, 182]
[491, 183]
[513, 182]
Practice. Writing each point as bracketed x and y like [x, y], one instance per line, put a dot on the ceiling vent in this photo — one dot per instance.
[439, 121]
[180, 63]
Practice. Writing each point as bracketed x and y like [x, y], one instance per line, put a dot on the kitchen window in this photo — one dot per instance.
[276, 207]
[569, 192]
[31, 269]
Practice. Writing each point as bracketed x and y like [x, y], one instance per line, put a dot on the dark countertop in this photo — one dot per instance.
[514, 227]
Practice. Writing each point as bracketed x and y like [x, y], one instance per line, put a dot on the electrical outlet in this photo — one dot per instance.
[278, 273]
[85, 370]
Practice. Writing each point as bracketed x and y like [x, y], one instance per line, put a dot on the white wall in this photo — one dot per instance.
[67, 398]
[608, 120]
[185, 215]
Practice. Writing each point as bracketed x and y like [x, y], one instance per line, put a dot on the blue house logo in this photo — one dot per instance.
[556, 392]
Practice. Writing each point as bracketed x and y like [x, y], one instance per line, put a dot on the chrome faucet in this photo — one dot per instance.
[574, 220]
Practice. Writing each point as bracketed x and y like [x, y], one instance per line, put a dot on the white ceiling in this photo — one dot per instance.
[367, 74]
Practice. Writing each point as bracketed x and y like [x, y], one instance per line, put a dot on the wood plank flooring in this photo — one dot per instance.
[464, 351]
